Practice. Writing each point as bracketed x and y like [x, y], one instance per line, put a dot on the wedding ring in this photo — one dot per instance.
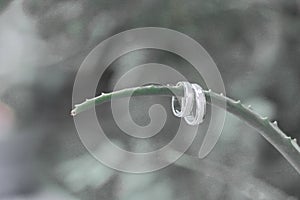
[197, 117]
[186, 104]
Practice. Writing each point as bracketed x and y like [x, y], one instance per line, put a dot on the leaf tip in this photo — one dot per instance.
[73, 112]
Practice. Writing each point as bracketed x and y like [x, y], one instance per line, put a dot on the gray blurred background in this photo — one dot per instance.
[255, 44]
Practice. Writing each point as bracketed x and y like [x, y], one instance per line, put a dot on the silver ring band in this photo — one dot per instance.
[186, 105]
[197, 118]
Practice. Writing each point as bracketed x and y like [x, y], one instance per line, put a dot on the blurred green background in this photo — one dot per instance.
[255, 44]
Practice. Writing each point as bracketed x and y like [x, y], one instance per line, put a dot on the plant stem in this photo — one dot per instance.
[287, 146]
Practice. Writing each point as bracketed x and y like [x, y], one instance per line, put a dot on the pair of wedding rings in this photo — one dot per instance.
[193, 94]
